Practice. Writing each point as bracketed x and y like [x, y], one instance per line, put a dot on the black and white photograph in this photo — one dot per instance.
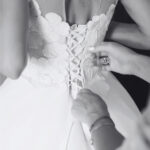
[74, 74]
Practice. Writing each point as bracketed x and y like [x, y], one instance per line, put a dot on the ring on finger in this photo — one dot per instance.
[104, 60]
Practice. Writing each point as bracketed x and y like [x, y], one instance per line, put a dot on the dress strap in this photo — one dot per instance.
[104, 5]
[34, 8]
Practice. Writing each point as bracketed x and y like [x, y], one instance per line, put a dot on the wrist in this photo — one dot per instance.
[94, 117]
[101, 122]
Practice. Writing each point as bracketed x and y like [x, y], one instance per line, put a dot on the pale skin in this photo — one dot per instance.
[133, 35]
[13, 28]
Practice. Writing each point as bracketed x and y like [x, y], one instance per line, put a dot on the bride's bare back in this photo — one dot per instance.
[75, 11]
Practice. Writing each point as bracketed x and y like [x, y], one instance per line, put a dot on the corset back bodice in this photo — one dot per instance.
[58, 52]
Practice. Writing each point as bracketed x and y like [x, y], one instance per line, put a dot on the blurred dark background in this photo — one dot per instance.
[137, 88]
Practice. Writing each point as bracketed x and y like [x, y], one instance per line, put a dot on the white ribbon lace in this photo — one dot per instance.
[75, 50]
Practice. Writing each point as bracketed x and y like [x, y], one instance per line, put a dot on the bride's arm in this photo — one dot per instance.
[13, 26]
[133, 35]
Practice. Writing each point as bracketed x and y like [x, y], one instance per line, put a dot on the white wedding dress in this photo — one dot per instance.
[35, 109]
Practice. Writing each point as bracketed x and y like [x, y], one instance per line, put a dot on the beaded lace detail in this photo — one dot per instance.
[58, 52]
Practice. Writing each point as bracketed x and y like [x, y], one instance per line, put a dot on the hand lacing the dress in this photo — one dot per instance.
[75, 50]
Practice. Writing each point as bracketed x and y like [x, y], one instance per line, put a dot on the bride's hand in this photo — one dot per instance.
[88, 107]
[115, 57]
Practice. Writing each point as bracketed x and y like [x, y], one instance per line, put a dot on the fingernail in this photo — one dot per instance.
[91, 48]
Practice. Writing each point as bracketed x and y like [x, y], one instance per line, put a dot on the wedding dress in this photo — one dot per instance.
[35, 109]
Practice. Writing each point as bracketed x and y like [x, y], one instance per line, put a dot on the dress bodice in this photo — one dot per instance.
[58, 52]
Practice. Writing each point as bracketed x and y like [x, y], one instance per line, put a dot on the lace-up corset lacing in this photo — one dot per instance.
[75, 51]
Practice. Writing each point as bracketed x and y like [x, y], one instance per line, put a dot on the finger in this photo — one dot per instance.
[78, 106]
[105, 47]
[103, 53]
[80, 100]
[84, 91]
[102, 48]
